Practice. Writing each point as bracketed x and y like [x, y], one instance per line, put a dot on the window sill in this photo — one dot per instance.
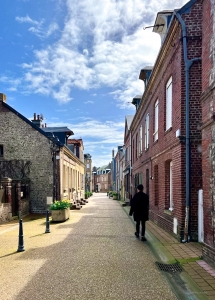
[168, 130]
[168, 212]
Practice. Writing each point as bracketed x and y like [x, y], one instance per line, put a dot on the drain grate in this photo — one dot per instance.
[171, 268]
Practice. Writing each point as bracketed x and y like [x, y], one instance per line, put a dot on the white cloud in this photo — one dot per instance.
[91, 102]
[27, 19]
[102, 44]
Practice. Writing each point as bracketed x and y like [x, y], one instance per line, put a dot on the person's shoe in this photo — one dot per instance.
[143, 239]
[137, 235]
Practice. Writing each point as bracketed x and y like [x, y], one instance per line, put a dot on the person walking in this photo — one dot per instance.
[140, 211]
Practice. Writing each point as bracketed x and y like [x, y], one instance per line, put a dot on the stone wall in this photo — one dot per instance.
[23, 142]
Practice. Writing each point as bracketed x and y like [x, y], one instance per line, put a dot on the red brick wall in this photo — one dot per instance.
[168, 147]
[208, 125]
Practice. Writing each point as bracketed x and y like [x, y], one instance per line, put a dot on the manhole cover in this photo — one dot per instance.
[171, 268]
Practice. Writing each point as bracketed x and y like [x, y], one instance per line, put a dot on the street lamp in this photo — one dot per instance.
[55, 148]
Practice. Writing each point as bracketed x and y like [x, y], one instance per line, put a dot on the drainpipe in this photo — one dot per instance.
[130, 174]
[188, 64]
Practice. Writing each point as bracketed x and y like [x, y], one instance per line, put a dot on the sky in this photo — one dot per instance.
[78, 62]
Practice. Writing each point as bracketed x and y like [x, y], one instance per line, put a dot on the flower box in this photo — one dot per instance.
[60, 215]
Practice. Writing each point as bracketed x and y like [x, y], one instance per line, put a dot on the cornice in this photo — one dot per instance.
[72, 156]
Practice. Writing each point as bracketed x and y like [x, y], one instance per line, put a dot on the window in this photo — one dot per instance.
[1, 151]
[156, 121]
[126, 155]
[169, 104]
[140, 140]
[168, 185]
[136, 145]
[88, 166]
[156, 185]
[147, 132]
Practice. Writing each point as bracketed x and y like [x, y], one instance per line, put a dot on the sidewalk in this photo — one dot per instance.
[93, 254]
[197, 273]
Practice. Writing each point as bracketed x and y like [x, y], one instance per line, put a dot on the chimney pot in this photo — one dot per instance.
[38, 117]
[34, 116]
[2, 97]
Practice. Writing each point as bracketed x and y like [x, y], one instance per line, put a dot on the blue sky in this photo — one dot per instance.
[78, 63]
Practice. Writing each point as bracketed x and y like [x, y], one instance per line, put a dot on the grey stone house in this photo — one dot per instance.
[27, 153]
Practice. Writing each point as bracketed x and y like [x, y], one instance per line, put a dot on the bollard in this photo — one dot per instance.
[21, 242]
[47, 222]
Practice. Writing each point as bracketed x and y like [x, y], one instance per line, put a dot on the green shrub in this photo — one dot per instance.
[60, 204]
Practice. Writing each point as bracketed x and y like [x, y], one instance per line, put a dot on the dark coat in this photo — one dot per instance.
[140, 207]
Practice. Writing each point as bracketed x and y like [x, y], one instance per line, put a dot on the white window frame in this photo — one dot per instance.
[170, 188]
[156, 121]
[141, 140]
[147, 132]
[169, 104]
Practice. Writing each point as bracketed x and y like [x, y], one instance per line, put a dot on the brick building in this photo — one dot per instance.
[208, 127]
[127, 159]
[102, 178]
[165, 131]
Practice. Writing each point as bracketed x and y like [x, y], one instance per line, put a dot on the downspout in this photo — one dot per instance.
[130, 174]
[188, 63]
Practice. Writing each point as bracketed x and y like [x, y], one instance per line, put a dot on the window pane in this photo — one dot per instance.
[156, 121]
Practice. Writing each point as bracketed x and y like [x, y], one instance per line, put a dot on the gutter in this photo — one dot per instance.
[188, 63]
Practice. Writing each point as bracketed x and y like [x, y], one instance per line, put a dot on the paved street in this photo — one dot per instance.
[94, 255]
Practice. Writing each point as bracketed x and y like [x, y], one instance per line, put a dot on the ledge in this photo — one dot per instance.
[168, 212]
[168, 130]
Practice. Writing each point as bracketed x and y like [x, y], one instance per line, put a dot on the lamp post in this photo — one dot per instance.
[54, 150]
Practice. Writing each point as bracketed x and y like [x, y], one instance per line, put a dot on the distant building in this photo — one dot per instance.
[102, 179]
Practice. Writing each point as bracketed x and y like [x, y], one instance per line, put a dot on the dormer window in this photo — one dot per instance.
[162, 23]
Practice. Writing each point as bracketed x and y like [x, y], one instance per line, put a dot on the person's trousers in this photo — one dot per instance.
[143, 225]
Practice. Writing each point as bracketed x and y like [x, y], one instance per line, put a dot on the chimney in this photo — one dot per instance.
[113, 153]
[37, 121]
[2, 97]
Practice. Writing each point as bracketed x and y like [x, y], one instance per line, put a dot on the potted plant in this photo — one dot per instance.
[60, 210]
[110, 194]
[115, 195]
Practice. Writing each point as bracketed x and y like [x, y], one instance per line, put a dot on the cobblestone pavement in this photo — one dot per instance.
[93, 255]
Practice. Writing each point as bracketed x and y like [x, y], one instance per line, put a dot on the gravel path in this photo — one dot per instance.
[94, 255]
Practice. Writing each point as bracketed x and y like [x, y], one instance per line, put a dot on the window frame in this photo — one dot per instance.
[147, 132]
[156, 112]
[140, 140]
[169, 104]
